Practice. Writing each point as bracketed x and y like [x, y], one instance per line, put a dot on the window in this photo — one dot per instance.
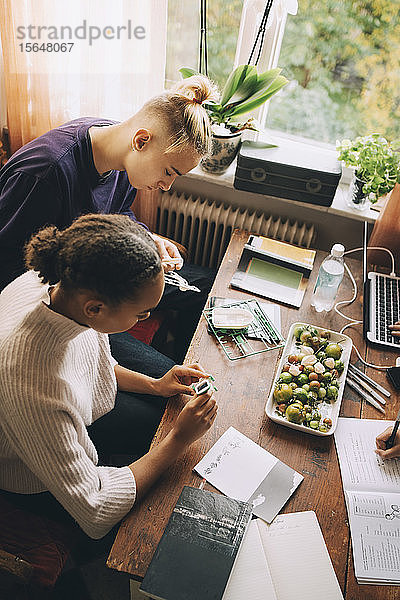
[223, 20]
[342, 58]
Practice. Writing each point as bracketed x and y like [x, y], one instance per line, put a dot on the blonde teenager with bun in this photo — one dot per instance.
[93, 165]
[60, 387]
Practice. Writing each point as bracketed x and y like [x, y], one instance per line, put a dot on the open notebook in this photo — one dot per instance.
[287, 560]
[372, 492]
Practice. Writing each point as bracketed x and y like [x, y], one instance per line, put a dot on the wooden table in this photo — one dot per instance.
[243, 388]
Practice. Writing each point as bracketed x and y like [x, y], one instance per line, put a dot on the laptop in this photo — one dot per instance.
[381, 306]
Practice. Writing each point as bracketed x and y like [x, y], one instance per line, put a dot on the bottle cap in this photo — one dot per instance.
[337, 250]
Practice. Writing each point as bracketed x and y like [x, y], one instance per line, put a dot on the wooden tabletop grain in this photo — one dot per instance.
[243, 388]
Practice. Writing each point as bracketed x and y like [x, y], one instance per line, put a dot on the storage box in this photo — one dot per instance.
[293, 170]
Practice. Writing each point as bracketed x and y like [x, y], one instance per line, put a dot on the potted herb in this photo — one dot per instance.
[244, 91]
[376, 167]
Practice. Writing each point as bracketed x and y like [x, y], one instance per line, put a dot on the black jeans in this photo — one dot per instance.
[188, 305]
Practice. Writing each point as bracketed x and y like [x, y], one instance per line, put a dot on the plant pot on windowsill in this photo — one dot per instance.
[244, 91]
[376, 167]
[357, 198]
[225, 146]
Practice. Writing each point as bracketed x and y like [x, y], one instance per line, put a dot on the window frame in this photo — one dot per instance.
[252, 13]
[269, 59]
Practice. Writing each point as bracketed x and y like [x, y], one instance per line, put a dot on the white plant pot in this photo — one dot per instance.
[224, 150]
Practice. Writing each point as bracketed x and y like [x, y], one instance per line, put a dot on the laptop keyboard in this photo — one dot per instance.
[387, 307]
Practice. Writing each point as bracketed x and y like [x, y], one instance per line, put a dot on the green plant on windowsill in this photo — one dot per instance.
[244, 91]
[375, 161]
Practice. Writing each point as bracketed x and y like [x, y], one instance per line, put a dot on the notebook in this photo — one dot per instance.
[241, 469]
[274, 270]
[287, 560]
[372, 492]
[198, 548]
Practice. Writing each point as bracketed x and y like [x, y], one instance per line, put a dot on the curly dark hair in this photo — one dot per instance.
[108, 254]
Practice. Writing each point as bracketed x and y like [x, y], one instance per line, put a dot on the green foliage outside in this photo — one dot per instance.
[343, 60]
[223, 20]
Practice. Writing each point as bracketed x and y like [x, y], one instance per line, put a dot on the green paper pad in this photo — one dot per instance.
[274, 273]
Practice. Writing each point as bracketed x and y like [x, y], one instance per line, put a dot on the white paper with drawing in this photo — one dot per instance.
[243, 470]
[372, 493]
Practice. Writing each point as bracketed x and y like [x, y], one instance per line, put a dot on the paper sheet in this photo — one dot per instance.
[375, 529]
[372, 492]
[241, 469]
[236, 465]
[298, 559]
[250, 577]
[360, 467]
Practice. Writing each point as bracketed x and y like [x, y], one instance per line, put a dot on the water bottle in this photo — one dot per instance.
[329, 279]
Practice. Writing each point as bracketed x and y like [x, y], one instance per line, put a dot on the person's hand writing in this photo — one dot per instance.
[381, 444]
[168, 251]
[395, 329]
[195, 418]
[178, 379]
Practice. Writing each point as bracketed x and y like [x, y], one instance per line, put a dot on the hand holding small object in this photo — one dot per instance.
[169, 253]
[195, 418]
[178, 380]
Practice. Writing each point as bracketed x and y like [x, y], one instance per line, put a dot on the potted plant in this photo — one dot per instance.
[244, 91]
[376, 167]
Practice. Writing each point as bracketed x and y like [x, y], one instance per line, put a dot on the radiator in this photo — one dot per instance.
[204, 227]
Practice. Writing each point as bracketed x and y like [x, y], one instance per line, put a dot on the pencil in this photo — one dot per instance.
[366, 387]
[390, 441]
[363, 394]
[374, 384]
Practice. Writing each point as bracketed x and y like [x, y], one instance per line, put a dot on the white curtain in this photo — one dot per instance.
[105, 76]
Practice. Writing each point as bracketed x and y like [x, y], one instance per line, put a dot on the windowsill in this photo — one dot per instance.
[339, 205]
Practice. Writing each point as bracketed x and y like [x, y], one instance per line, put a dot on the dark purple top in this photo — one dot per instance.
[51, 181]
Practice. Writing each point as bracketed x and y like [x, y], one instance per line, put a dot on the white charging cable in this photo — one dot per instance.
[354, 296]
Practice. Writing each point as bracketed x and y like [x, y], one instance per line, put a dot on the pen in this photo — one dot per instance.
[367, 388]
[390, 441]
[364, 395]
[377, 386]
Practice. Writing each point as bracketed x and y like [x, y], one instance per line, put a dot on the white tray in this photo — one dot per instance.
[327, 410]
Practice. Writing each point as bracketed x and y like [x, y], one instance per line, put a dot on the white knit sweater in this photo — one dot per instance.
[56, 378]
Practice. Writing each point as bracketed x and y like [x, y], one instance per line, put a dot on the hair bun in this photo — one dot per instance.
[41, 253]
[198, 89]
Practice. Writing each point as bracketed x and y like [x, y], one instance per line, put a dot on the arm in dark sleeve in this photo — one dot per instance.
[26, 205]
[127, 206]
[129, 212]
